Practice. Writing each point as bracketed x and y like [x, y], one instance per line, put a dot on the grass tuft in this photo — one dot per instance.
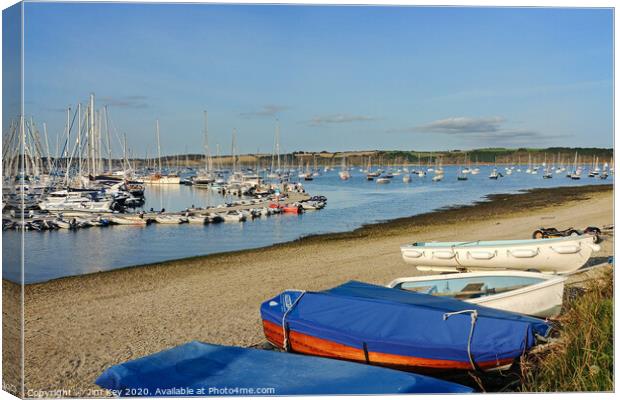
[582, 358]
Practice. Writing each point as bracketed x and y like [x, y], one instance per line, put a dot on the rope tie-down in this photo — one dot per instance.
[474, 318]
[285, 330]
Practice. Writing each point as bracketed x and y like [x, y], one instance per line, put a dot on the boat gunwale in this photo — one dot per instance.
[548, 281]
[492, 244]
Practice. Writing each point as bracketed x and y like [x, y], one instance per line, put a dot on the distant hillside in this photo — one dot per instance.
[498, 155]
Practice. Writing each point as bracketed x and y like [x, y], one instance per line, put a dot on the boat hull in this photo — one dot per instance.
[397, 329]
[558, 255]
[311, 345]
[541, 299]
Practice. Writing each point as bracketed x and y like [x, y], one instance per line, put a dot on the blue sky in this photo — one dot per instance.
[336, 77]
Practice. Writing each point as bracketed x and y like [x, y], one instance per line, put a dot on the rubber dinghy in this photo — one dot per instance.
[398, 329]
[557, 255]
[202, 369]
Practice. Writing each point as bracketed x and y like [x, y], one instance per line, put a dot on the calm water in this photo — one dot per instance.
[54, 254]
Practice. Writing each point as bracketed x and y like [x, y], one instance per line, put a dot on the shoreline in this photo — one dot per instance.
[76, 327]
[537, 198]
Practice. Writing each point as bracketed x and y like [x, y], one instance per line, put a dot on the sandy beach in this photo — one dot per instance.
[77, 327]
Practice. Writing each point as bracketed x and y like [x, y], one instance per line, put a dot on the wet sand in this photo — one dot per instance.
[77, 327]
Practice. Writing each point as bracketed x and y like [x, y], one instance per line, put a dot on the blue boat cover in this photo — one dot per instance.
[404, 323]
[201, 369]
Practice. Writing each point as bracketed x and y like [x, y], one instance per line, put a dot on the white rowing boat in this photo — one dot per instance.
[118, 220]
[528, 293]
[168, 219]
[196, 219]
[555, 255]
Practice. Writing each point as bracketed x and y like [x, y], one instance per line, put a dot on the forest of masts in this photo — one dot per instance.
[85, 148]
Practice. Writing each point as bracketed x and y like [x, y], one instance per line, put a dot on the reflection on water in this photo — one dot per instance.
[53, 254]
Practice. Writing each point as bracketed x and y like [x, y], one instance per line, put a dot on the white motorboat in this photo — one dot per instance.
[522, 292]
[406, 178]
[233, 216]
[82, 204]
[168, 219]
[127, 220]
[159, 179]
[383, 180]
[554, 255]
[196, 219]
[64, 224]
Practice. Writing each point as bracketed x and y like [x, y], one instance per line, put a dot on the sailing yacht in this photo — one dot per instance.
[308, 174]
[159, 178]
[275, 170]
[370, 173]
[344, 172]
[205, 177]
[494, 174]
[460, 175]
[576, 174]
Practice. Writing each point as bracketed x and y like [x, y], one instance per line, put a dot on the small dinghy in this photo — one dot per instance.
[117, 220]
[233, 216]
[292, 209]
[202, 369]
[167, 219]
[527, 293]
[557, 255]
[398, 329]
[196, 219]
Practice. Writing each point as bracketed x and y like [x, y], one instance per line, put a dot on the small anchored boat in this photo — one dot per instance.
[196, 219]
[557, 255]
[527, 293]
[170, 220]
[127, 220]
[196, 369]
[233, 216]
[398, 329]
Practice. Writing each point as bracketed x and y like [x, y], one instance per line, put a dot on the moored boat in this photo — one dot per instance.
[126, 220]
[557, 255]
[292, 209]
[398, 329]
[529, 293]
[233, 216]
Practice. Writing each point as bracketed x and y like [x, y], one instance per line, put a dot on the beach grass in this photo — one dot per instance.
[582, 359]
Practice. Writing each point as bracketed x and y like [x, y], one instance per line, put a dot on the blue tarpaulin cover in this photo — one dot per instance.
[405, 323]
[201, 369]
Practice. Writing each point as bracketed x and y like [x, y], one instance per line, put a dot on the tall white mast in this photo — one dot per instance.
[234, 144]
[107, 129]
[79, 140]
[278, 143]
[158, 147]
[208, 161]
[66, 155]
[91, 134]
[47, 147]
